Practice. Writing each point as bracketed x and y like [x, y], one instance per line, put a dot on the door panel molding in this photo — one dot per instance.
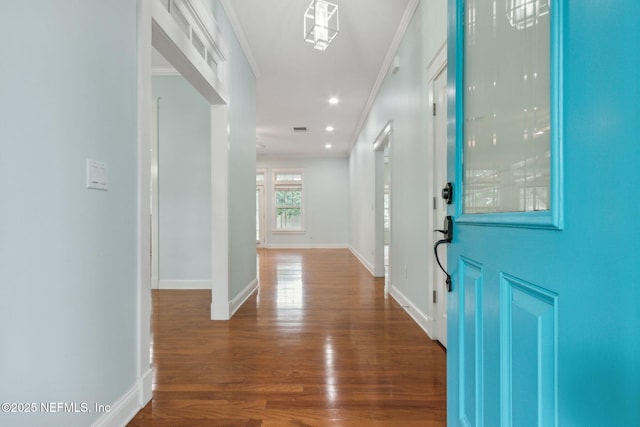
[528, 329]
[470, 318]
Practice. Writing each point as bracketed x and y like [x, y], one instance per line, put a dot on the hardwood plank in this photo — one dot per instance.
[320, 345]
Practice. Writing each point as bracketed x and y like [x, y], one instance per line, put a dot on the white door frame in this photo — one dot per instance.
[145, 136]
[155, 232]
[438, 290]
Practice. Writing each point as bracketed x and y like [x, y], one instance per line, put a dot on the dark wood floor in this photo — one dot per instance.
[319, 345]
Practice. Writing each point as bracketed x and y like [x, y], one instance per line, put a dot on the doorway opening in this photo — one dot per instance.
[159, 26]
[383, 239]
[181, 182]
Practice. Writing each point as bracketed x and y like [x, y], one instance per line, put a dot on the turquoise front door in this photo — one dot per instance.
[544, 313]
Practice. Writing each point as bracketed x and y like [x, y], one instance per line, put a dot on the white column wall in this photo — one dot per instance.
[242, 166]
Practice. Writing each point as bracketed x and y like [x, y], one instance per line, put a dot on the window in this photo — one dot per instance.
[288, 201]
[260, 225]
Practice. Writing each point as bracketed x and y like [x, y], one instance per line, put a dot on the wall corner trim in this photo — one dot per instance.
[241, 36]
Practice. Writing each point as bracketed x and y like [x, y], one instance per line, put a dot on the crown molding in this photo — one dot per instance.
[241, 36]
[386, 65]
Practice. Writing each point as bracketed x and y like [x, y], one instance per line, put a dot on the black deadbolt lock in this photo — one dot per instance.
[447, 193]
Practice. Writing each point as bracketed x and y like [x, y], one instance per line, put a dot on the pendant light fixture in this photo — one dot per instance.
[320, 23]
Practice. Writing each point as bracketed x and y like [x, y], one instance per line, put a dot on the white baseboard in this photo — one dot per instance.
[125, 408]
[239, 299]
[145, 388]
[184, 284]
[363, 261]
[425, 322]
[307, 246]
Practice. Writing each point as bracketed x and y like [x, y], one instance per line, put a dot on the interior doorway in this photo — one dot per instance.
[383, 197]
[158, 28]
[182, 181]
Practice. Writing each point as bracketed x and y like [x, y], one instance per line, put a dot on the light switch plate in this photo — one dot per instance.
[97, 175]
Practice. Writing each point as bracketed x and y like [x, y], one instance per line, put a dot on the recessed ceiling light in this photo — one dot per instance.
[333, 100]
[327, 146]
[329, 128]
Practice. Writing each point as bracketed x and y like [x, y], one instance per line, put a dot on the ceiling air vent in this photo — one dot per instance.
[300, 129]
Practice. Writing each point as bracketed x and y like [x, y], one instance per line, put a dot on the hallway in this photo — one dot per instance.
[319, 345]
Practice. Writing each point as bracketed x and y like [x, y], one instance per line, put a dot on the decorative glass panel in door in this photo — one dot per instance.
[507, 116]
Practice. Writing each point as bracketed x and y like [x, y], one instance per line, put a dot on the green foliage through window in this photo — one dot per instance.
[288, 202]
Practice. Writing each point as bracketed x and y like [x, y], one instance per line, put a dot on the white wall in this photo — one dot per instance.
[326, 202]
[184, 181]
[242, 164]
[403, 99]
[68, 254]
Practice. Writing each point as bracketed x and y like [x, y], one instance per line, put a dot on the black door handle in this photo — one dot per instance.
[447, 238]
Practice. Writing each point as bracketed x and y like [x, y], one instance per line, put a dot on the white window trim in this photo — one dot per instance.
[274, 183]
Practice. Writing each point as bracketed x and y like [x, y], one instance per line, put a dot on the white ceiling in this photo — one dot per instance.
[294, 81]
